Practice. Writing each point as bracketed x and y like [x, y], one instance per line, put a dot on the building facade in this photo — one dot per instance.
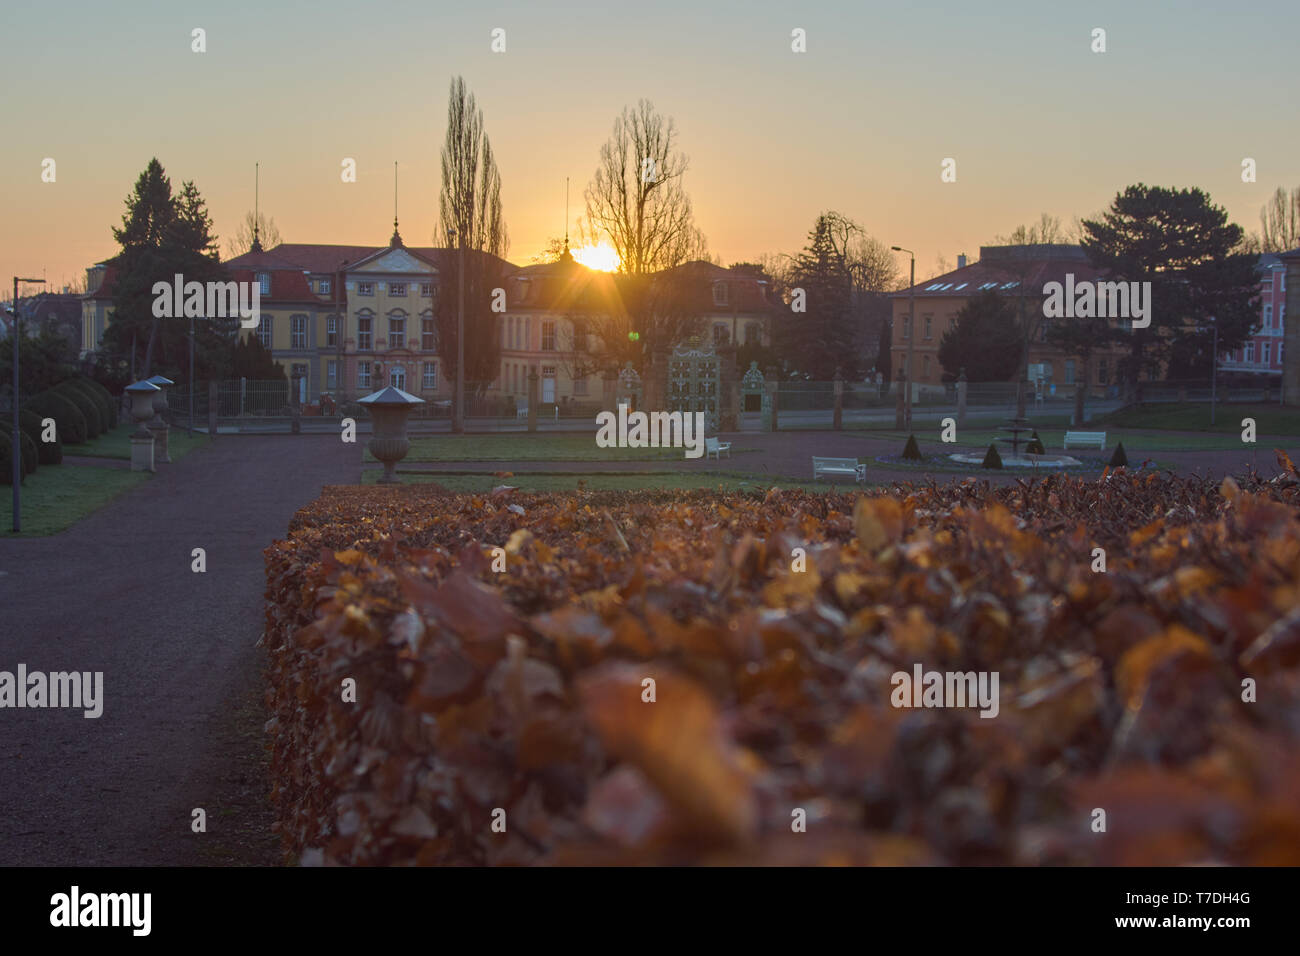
[1262, 353]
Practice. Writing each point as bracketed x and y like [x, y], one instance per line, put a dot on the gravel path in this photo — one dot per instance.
[116, 593]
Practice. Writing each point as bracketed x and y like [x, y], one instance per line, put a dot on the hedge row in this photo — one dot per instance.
[502, 712]
[27, 450]
[82, 409]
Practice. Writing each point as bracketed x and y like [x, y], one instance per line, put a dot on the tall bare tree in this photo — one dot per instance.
[267, 234]
[470, 203]
[1279, 221]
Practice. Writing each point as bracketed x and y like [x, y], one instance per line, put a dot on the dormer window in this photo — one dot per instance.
[720, 293]
[264, 282]
[324, 286]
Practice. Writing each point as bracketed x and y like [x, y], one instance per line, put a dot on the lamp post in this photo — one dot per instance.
[16, 438]
[458, 410]
[911, 334]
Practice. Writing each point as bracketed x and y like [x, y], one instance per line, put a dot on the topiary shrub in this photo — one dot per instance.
[88, 406]
[992, 459]
[68, 419]
[1119, 459]
[27, 449]
[910, 451]
[103, 404]
[1035, 447]
[106, 398]
[47, 452]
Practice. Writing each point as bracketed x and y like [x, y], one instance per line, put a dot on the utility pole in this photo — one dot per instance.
[911, 335]
[16, 437]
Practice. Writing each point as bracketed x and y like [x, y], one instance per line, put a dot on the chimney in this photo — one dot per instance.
[961, 261]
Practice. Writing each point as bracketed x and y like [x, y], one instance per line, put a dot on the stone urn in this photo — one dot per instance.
[389, 409]
[142, 395]
[158, 425]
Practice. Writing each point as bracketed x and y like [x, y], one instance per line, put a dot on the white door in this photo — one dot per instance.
[548, 391]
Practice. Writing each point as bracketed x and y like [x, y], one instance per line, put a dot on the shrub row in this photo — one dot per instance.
[500, 647]
[81, 408]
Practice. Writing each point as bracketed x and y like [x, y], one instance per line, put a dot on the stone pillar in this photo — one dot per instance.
[142, 394]
[837, 417]
[961, 398]
[771, 418]
[532, 399]
[1291, 330]
[213, 401]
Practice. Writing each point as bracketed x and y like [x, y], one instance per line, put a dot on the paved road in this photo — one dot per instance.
[116, 594]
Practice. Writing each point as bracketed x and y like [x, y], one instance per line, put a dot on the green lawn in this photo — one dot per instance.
[117, 444]
[630, 481]
[1270, 419]
[55, 497]
[531, 447]
[1140, 440]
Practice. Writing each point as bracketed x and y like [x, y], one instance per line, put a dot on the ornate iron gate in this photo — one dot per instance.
[695, 382]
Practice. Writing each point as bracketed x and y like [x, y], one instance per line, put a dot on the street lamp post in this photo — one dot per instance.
[16, 437]
[911, 334]
[458, 412]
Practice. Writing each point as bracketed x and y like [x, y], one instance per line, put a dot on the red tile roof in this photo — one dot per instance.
[999, 265]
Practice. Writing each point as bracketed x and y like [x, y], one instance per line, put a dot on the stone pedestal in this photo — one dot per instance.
[389, 409]
[160, 432]
[771, 416]
[142, 452]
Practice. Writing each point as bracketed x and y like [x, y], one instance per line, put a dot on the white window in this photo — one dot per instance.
[332, 330]
[580, 386]
[264, 281]
[397, 289]
[364, 333]
[929, 319]
[1268, 315]
[1250, 351]
[430, 378]
[428, 335]
[325, 286]
[1069, 371]
[397, 377]
[1267, 349]
[264, 330]
[426, 289]
[365, 288]
[720, 293]
[363, 375]
[752, 334]
[332, 373]
[396, 332]
[548, 336]
[298, 332]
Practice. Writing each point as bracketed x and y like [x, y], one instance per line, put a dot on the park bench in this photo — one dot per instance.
[715, 448]
[1085, 438]
[839, 466]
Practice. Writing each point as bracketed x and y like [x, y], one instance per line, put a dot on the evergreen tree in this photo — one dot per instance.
[985, 341]
[823, 337]
[1198, 268]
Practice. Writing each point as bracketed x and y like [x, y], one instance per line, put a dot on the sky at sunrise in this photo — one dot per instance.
[859, 123]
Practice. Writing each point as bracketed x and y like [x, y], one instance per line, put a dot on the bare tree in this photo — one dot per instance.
[267, 234]
[470, 204]
[636, 196]
[1279, 221]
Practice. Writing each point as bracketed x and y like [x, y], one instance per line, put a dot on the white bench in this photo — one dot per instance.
[715, 448]
[1085, 438]
[839, 466]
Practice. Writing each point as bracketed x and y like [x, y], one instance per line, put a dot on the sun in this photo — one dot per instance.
[601, 257]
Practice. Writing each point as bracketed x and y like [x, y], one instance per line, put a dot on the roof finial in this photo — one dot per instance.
[397, 236]
[257, 195]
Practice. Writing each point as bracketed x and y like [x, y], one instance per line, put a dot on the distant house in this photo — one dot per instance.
[1009, 271]
[1261, 354]
[59, 313]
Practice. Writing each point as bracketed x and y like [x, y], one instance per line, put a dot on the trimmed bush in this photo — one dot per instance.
[69, 420]
[47, 453]
[106, 398]
[910, 450]
[1035, 447]
[28, 452]
[992, 459]
[89, 408]
[103, 404]
[1119, 459]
